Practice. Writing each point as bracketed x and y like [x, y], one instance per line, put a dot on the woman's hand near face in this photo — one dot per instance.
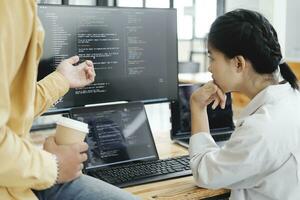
[199, 100]
[206, 94]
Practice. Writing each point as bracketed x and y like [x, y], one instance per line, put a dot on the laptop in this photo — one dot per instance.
[119, 138]
[220, 120]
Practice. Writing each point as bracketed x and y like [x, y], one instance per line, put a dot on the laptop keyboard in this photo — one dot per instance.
[144, 172]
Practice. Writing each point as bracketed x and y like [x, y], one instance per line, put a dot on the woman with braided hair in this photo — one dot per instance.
[261, 160]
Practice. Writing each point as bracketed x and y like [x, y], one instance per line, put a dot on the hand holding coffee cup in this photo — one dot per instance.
[69, 131]
[69, 148]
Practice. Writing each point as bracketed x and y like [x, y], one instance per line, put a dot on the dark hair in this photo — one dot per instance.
[248, 33]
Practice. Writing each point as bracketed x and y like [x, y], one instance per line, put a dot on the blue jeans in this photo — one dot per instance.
[84, 188]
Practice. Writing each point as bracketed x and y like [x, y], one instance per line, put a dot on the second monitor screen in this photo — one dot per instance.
[134, 51]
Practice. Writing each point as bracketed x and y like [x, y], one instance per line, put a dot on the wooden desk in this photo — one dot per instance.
[180, 188]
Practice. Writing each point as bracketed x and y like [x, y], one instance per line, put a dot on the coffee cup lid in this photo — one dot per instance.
[74, 124]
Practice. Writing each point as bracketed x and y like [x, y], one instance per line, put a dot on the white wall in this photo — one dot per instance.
[279, 22]
[293, 31]
[246, 4]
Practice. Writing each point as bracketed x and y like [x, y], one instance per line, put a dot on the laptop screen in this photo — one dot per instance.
[118, 134]
[219, 119]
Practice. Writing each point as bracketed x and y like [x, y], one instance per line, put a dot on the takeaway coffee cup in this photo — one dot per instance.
[69, 131]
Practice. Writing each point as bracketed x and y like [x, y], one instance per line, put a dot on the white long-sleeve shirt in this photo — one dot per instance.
[261, 160]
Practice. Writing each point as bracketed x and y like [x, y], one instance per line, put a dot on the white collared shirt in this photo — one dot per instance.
[261, 160]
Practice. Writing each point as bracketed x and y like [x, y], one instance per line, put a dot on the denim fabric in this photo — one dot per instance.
[84, 188]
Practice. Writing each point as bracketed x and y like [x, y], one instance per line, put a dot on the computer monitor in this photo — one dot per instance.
[134, 51]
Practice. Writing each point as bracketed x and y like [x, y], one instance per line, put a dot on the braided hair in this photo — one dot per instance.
[248, 33]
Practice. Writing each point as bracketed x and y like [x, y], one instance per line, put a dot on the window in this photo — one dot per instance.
[82, 2]
[195, 17]
[49, 1]
[206, 13]
[158, 3]
[184, 18]
[131, 3]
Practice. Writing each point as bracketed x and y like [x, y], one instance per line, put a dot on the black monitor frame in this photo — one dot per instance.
[56, 110]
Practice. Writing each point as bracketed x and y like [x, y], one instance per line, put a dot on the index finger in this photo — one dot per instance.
[81, 147]
[73, 60]
[90, 74]
[89, 63]
[221, 94]
[222, 97]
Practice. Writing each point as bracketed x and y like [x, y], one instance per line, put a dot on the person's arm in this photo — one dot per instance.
[242, 156]
[22, 164]
[48, 91]
[245, 155]
[56, 84]
[198, 105]
[69, 157]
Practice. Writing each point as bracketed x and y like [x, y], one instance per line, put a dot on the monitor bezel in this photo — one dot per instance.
[55, 110]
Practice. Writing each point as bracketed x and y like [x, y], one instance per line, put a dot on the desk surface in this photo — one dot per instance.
[180, 188]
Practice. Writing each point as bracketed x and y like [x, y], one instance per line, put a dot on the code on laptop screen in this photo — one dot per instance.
[118, 134]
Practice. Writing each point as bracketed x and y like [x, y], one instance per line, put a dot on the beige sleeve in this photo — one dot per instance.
[48, 91]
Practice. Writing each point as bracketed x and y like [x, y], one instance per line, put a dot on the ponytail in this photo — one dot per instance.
[288, 75]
